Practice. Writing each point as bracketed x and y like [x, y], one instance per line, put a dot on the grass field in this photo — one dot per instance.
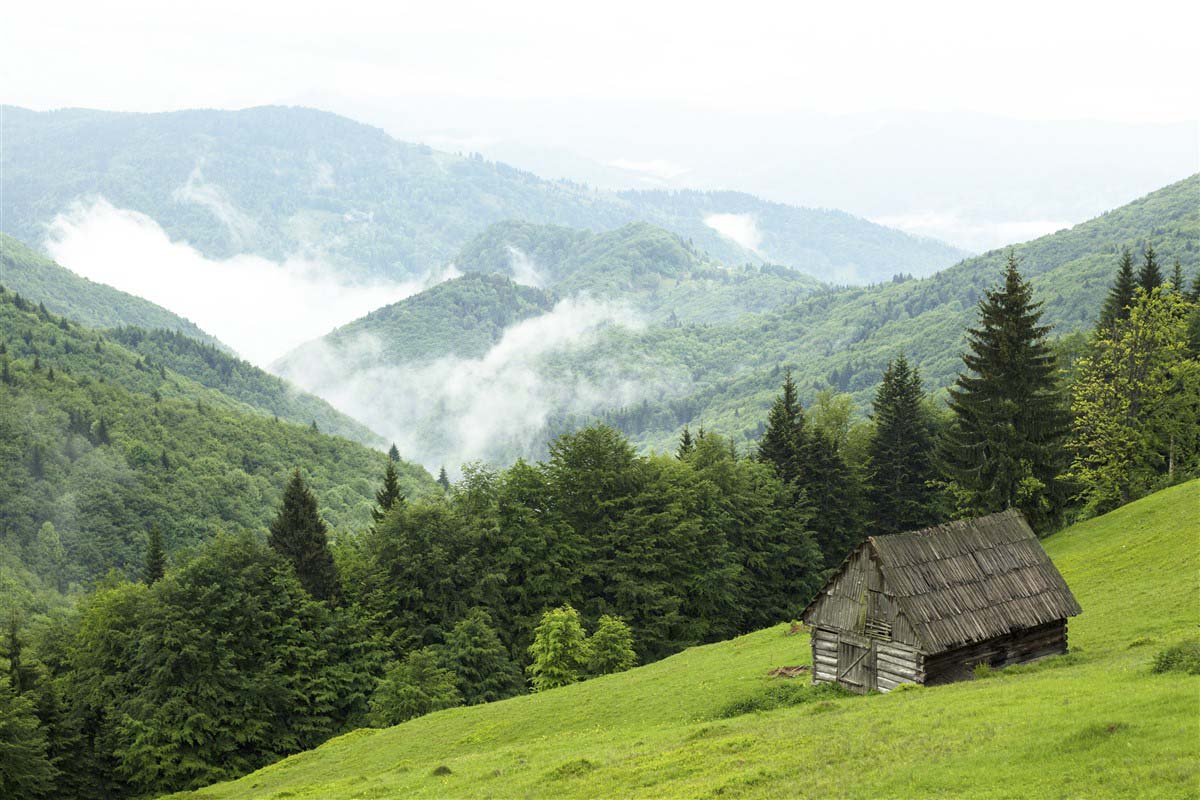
[1095, 723]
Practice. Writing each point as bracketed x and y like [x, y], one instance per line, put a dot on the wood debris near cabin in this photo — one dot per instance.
[788, 672]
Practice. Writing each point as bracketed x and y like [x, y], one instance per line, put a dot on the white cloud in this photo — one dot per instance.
[656, 168]
[741, 228]
[453, 410]
[261, 308]
[197, 191]
[973, 234]
[524, 270]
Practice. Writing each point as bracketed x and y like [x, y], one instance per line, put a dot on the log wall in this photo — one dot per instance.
[1014, 648]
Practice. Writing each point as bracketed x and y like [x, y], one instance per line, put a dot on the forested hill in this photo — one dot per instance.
[99, 443]
[280, 181]
[95, 305]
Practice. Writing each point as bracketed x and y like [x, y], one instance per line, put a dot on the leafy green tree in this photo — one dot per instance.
[482, 668]
[1136, 403]
[25, 768]
[299, 534]
[156, 560]
[1150, 276]
[389, 494]
[1120, 296]
[1004, 447]
[559, 650]
[419, 685]
[900, 458]
[610, 647]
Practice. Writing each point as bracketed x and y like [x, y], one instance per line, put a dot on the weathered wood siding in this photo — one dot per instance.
[897, 663]
[824, 655]
[838, 657]
[857, 600]
[1025, 645]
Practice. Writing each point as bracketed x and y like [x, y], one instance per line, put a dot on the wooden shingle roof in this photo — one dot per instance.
[971, 580]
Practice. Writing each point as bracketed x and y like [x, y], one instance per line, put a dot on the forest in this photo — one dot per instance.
[198, 589]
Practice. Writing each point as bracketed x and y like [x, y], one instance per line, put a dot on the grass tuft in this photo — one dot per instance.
[781, 694]
[1180, 657]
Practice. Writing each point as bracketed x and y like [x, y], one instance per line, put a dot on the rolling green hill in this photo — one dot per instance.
[277, 182]
[95, 305]
[1095, 723]
[98, 442]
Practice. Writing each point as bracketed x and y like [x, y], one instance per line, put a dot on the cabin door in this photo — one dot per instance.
[856, 662]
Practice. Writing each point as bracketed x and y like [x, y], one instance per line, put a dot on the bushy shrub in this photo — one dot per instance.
[1180, 657]
[781, 694]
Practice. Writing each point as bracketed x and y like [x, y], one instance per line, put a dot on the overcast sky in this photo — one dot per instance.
[1040, 60]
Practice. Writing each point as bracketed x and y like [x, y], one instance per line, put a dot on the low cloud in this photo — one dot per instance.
[453, 410]
[657, 168]
[524, 270]
[741, 228]
[196, 191]
[261, 308]
[972, 234]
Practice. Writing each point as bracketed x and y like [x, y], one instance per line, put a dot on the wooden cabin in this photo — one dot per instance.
[928, 606]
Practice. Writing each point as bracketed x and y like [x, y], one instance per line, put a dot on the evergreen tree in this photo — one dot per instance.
[393, 453]
[419, 685]
[783, 440]
[156, 560]
[1003, 448]
[610, 648]
[1149, 276]
[900, 454]
[559, 650]
[443, 480]
[686, 444]
[299, 534]
[388, 495]
[5, 373]
[482, 668]
[25, 769]
[1178, 285]
[1120, 295]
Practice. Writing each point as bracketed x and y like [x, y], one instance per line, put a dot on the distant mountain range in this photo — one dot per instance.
[700, 345]
[282, 182]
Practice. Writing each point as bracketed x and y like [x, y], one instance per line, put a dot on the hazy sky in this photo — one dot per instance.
[1095, 60]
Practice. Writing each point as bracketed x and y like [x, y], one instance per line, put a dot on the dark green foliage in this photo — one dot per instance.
[299, 534]
[412, 688]
[443, 480]
[393, 453]
[1180, 657]
[389, 494]
[156, 559]
[25, 768]
[900, 456]
[481, 665]
[1149, 276]
[782, 693]
[1004, 447]
[686, 444]
[782, 443]
[610, 647]
[1120, 296]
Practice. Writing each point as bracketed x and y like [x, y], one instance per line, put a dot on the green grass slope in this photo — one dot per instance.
[1095, 723]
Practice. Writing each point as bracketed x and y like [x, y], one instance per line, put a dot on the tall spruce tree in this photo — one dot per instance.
[1004, 446]
[393, 453]
[1120, 295]
[900, 454]
[1149, 277]
[686, 444]
[299, 534]
[1178, 284]
[388, 495]
[156, 560]
[443, 480]
[783, 440]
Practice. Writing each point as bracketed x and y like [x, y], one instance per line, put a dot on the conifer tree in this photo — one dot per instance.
[1149, 276]
[900, 454]
[1004, 446]
[388, 495]
[418, 685]
[299, 534]
[1120, 295]
[393, 453]
[1178, 285]
[482, 668]
[156, 560]
[443, 480]
[686, 444]
[25, 769]
[783, 440]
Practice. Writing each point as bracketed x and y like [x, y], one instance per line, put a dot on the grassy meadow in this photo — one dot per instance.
[1095, 723]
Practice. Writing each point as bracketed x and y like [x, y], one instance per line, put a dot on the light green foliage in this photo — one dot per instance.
[1097, 722]
[610, 647]
[559, 650]
[1136, 403]
[1180, 657]
[418, 685]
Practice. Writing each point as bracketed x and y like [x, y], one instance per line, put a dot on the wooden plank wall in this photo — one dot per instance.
[1015, 648]
[824, 653]
[896, 663]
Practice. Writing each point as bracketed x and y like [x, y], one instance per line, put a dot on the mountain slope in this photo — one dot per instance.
[97, 443]
[1094, 722]
[92, 304]
[280, 182]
